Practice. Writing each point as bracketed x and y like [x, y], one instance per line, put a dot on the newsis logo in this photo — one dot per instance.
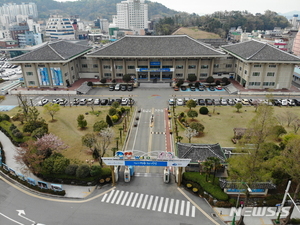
[258, 211]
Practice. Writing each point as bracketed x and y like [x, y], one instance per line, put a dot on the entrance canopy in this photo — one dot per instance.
[139, 158]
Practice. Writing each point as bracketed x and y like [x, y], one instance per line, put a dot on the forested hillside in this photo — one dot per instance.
[89, 9]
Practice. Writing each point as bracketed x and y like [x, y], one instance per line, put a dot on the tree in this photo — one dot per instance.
[109, 121]
[115, 104]
[51, 109]
[210, 80]
[192, 114]
[192, 77]
[290, 117]
[103, 80]
[191, 104]
[290, 163]
[279, 130]
[39, 132]
[82, 123]
[83, 171]
[296, 125]
[126, 78]
[56, 164]
[189, 133]
[252, 167]
[238, 106]
[207, 167]
[225, 80]
[112, 111]
[216, 165]
[23, 103]
[100, 125]
[197, 126]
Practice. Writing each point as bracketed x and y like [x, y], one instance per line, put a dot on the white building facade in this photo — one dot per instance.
[60, 28]
[132, 14]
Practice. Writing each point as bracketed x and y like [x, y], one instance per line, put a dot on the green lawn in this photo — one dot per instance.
[219, 127]
[65, 127]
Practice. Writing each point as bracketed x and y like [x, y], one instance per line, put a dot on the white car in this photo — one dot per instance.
[44, 101]
[124, 101]
[237, 100]
[223, 101]
[245, 101]
[284, 102]
[179, 101]
[171, 101]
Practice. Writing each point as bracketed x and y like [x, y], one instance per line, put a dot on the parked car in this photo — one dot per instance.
[291, 102]
[297, 102]
[129, 88]
[223, 101]
[284, 102]
[230, 101]
[112, 87]
[201, 88]
[277, 102]
[211, 88]
[56, 100]
[97, 101]
[82, 101]
[131, 102]
[201, 101]
[219, 87]
[44, 101]
[183, 88]
[237, 100]
[179, 101]
[76, 101]
[216, 102]
[104, 101]
[117, 87]
[171, 101]
[176, 88]
[90, 101]
[245, 101]
[123, 87]
[119, 100]
[208, 101]
[124, 101]
[110, 101]
[63, 101]
[192, 88]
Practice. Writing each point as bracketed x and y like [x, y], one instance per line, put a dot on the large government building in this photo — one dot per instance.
[255, 65]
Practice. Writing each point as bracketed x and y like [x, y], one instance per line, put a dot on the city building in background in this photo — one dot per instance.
[60, 28]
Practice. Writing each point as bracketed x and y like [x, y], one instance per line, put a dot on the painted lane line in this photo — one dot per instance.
[11, 219]
[110, 195]
[145, 201]
[150, 202]
[187, 212]
[115, 196]
[120, 197]
[140, 201]
[198, 207]
[124, 199]
[171, 206]
[104, 197]
[182, 207]
[155, 203]
[176, 207]
[129, 199]
[134, 200]
[160, 204]
[166, 205]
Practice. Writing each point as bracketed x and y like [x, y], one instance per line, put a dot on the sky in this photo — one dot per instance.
[209, 7]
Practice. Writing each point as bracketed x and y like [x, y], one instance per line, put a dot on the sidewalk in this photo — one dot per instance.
[10, 150]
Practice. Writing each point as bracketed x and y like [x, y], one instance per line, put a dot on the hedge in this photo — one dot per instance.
[212, 189]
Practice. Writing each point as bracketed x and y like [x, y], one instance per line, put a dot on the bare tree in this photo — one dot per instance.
[280, 119]
[189, 133]
[290, 117]
[296, 125]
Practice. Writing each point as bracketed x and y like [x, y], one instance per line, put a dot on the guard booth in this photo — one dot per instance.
[166, 175]
[130, 159]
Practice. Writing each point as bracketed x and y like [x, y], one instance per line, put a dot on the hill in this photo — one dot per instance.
[89, 9]
[195, 33]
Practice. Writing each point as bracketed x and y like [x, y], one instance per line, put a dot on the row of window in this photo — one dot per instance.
[264, 83]
[257, 74]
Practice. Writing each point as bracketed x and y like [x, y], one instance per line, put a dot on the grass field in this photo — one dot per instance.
[65, 127]
[219, 127]
[195, 33]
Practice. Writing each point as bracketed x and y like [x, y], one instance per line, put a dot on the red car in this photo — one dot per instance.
[219, 87]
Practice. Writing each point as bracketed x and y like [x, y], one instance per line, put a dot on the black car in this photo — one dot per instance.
[192, 88]
[112, 87]
[129, 88]
[211, 88]
[208, 101]
[201, 101]
[119, 100]
[297, 102]
[183, 88]
[110, 101]
[201, 88]
[123, 88]
[104, 101]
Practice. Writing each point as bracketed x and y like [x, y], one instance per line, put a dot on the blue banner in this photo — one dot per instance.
[154, 63]
[56, 76]
[154, 70]
[145, 163]
[43, 76]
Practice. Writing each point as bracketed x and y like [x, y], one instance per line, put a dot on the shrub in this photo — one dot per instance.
[18, 134]
[83, 171]
[103, 80]
[95, 170]
[115, 118]
[182, 114]
[71, 169]
[112, 111]
[218, 82]
[5, 117]
[223, 204]
[109, 121]
[123, 109]
[189, 185]
[195, 190]
[12, 127]
[203, 110]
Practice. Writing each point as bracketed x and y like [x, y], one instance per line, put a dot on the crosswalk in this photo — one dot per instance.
[150, 110]
[150, 202]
